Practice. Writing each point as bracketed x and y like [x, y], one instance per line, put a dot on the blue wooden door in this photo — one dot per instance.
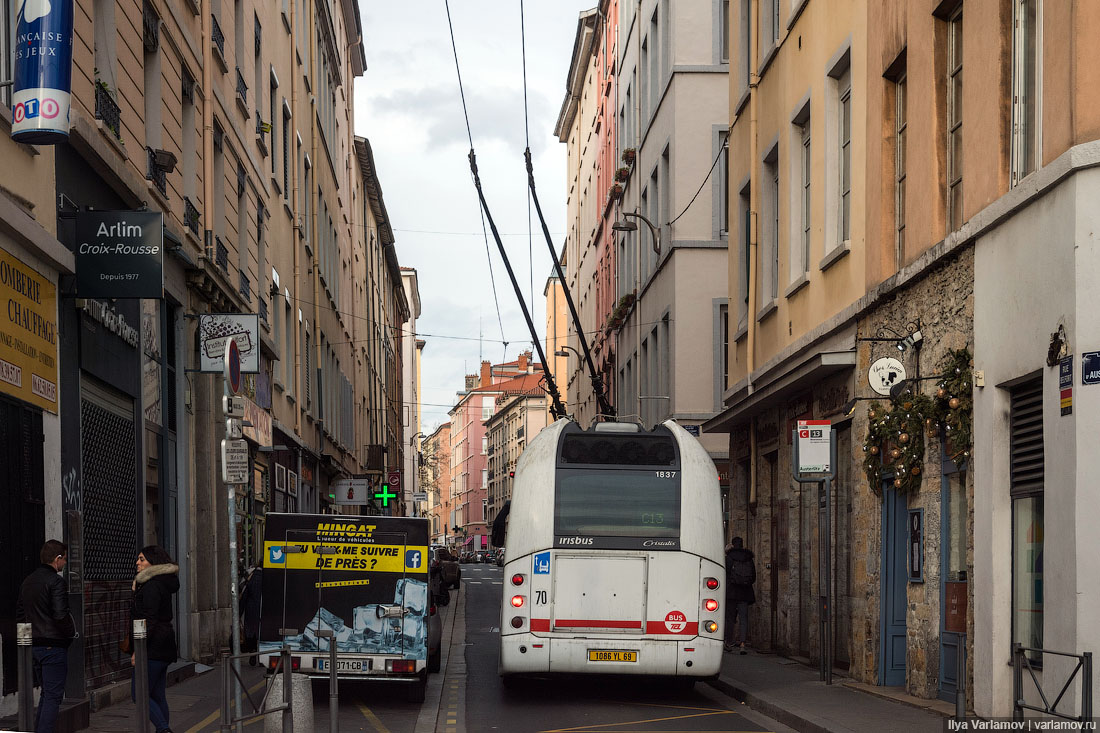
[894, 579]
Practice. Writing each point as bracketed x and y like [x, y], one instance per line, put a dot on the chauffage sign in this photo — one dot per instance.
[119, 254]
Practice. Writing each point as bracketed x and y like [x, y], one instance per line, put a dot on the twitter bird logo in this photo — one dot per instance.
[276, 555]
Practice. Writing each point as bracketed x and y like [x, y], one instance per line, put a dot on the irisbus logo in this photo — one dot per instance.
[575, 541]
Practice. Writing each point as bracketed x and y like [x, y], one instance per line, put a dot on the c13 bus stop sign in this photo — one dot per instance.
[233, 366]
[814, 446]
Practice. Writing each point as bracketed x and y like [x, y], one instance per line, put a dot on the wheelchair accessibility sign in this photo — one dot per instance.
[542, 563]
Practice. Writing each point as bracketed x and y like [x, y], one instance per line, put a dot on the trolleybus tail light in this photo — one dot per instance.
[401, 666]
[517, 622]
[711, 604]
[518, 601]
[712, 583]
[517, 579]
[711, 626]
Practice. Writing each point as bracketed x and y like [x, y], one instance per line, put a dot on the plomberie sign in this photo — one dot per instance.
[119, 254]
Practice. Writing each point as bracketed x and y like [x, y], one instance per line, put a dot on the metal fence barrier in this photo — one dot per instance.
[232, 683]
[1020, 660]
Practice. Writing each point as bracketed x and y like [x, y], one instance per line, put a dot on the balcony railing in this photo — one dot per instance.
[221, 254]
[216, 35]
[263, 308]
[242, 88]
[106, 109]
[150, 26]
[190, 216]
[155, 173]
[245, 286]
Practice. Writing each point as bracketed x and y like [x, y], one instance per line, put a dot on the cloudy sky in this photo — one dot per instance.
[408, 106]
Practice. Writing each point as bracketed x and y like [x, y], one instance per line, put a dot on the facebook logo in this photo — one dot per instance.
[412, 559]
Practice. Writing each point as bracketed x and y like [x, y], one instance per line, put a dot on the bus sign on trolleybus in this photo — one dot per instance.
[813, 446]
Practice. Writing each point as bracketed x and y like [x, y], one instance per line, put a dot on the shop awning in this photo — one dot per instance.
[468, 541]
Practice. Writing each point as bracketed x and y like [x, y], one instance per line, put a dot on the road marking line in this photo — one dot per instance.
[217, 713]
[378, 724]
[638, 722]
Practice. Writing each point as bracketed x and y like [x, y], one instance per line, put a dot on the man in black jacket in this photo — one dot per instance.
[44, 603]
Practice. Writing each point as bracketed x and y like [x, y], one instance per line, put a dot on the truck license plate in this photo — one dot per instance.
[343, 665]
[610, 655]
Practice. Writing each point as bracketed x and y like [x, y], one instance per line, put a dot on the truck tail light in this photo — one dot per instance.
[712, 583]
[518, 601]
[711, 627]
[401, 666]
[710, 604]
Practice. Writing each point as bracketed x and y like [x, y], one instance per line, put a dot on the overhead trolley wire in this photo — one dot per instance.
[557, 409]
[470, 137]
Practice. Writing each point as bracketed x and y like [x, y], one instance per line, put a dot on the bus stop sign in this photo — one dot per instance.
[813, 446]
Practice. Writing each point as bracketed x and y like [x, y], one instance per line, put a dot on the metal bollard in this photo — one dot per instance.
[288, 714]
[141, 676]
[333, 692]
[23, 640]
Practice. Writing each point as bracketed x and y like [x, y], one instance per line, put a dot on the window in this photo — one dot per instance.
[901, 121]
[288, 355]
[242, 230]
[7, 35]
[1026, 482]
[770, 226]
[486, 412]
[722, 340]
[484, 478]
[271, 116]
[1025, 89]
[745, 214]
[286, 152]
[484, 444]
[845, 160]
[954, 121]
[800, 195]
[746, 49]
[724, 186]
[804, 195]
[724, 31]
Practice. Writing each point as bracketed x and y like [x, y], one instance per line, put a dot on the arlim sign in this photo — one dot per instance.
[119, 254]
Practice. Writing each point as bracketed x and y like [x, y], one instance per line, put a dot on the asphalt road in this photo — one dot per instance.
[604, 704]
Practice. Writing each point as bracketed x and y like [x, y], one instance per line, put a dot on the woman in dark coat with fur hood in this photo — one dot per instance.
[157, 579]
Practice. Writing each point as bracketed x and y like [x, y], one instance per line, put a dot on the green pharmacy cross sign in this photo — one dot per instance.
[385, 495]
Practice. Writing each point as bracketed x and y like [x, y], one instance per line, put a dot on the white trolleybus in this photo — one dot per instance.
[614, 559]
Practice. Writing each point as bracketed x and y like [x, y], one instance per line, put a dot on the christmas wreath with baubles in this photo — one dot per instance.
[896, 432]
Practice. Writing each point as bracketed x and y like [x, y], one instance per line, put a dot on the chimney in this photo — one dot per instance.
[486, 374]
[523, 361]
[471, 382]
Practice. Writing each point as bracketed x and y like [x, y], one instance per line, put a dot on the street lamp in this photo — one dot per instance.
[622, 225]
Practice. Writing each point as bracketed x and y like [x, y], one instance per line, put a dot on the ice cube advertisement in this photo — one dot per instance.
[336, 573]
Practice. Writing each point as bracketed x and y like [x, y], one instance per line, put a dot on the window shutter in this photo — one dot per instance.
[1026, 438]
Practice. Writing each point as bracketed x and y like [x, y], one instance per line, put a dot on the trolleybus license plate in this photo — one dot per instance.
[609, 655]
[344, 665]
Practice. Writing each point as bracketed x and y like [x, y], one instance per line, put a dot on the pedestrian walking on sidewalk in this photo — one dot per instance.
[250, 612]
[157, 579]
[740, 576]
[44, 603]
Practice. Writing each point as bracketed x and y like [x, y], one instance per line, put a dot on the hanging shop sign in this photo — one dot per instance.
[350, 491]
[119, 254]
[43, 55]
[216, 328]
[884, 374]
[260, 430]
[28, 334]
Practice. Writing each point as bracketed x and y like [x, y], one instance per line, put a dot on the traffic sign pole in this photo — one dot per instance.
[231, 449]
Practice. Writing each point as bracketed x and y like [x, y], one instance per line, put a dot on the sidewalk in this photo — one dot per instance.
[790, 693]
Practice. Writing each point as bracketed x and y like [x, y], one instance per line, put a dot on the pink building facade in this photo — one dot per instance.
[466, 526]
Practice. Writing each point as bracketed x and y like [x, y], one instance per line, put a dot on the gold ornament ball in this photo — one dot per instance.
[894, 452]
[915, 471]
[897, 483]
[903, 438]
[908, 405]
[941, 393]
[953, 403]
[874, 450]
[872, 414]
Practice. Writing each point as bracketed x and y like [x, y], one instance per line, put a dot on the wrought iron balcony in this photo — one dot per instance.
[155, 173]
[263, 308]
[150, 26]
[221, 254]
[190, 216]
[245, 286]
[106, 109]
[242, 88]
[216, 35]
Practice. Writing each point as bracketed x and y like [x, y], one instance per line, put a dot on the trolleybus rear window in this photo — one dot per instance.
[641, 504]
